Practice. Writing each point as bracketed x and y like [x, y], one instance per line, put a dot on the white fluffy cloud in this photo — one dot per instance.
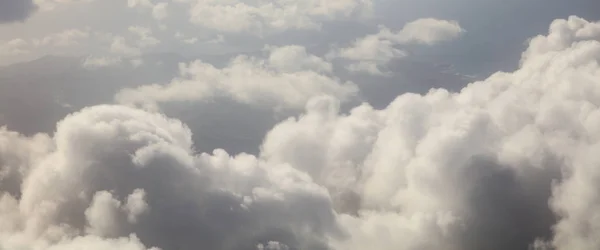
[287, 79]
[372, 52]
[271, 16]
[114, 177]
[506, 163]
[468, 170]
[17, 155]
[428, 31]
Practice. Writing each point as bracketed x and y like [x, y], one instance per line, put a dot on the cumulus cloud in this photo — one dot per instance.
[295, 58]
[287, 78]
[17, 155]
[508, 162]
[271, 16]
[470, 170]
[16, 10]
[120, 178]
[372, 52]
[428, 31]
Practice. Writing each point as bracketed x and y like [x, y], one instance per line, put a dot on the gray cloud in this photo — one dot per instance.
[16, 10]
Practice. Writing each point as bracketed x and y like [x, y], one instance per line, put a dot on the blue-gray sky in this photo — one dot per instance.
[497, 30]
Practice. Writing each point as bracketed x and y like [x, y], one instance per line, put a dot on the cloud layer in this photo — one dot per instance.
[271, 16]
[508, 162]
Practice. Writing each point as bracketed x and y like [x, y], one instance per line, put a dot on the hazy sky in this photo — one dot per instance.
[496, 33]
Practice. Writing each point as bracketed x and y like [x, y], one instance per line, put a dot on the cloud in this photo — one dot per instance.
[192, 40]
[16, 10]
[136, 62]
[272, 245]
[373, 52]
[183, 38]
[144, 34]
[287, 78]
[218, 39]
[134, 44]
[17, 155]
[47, 5]
[428, 31]
[116, 177]
[143, 39]
[508, 162]
[295, 58]
[159, 11]
[64, 38]
[258, 17]
[120, 46]
[370, 52]
[469, 170]
[139, 3]
[14, 47]
[95, 62]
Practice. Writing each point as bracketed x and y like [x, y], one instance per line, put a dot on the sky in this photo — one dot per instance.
[304, 125]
